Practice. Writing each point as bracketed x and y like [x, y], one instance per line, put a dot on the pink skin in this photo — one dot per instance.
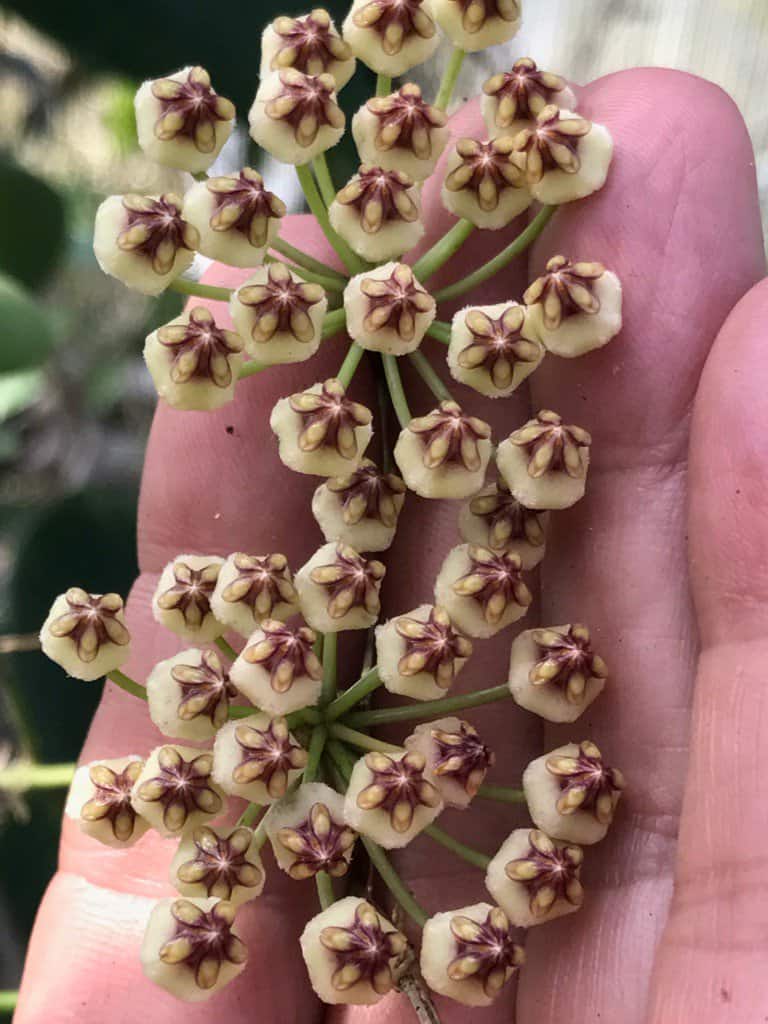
[677, 410]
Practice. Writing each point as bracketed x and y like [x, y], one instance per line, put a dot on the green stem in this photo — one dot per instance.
[448, 81]
[226, 648]
[429, 708]
[467, 853]
[334, 285]
[334, 322]
[126, 683]
[515, 248]
[23, 776]
[360, 740]
[249, 368]
[315, 202]
[442, 250]
[324, 179]
[353, 695]
[350, 364]
[204, 291]
[394, 883]
[505, 794]
[307, 716]
[431, 379]
[302, 259]
[330, 645]
[316, 747]
[383, 85]
[440, 330]
[396, 390]
[250, 815]
[324, 889]
[8, 1001]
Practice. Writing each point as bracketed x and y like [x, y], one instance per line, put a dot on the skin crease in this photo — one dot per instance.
[679, 223]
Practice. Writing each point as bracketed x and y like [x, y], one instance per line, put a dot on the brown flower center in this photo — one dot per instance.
[286, 653]
[267, 755]
[451, 437]
[262, 582]
[395, 302]
[243, 204]
[522, 92]
[507, 519]
[486, 169]
[433, 646]
[495, 581]
[587, 783]
[181, 787]
[566, 660]
[380, 198]
[351, 581]
[90, 622]
[476, 13]
[200, 349]
[550, 873]
[396, 21]
[155, 229]
[551, 446]
[318, 844]
[308, 44]
[190, 109]
[368, 494]
[329, 419]
[205, 689]
[405, 121]
[363, 951]
[281, 305]
[397, 787]
[306, 103]
[203, 941]
[497, 345]
[462, 756]
[551, 144]
[220, 862]
[111, 798]
[566, 289]
[485, 952]
[191, 592]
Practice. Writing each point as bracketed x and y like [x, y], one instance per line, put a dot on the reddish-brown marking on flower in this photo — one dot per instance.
[507, 519]
[191, 592]
[267, 756]
[155, 229]
[380, 198]
[497, 345]
[550, 873]
[475, 14]
[203, 941]
[394, 302]
[433, 646]
[567, 660]
[306, 103]
[190, 109]
[587, 783]
[281, 305]
[329, 419]
[462, 756]
[450, 437]
[318, 844]
[398, 787]
[522, 92]
[220, 863]
[485, 951]
[286, 653]
[368, 494]
[566, 289]
[396, 21]
[111, 798]
[405, 121]
[351, 580]
[495, 580]
[486, 169]
[262, 582]
[181, 787]
[200, 349]
[308, 44]
[551, 144]
[205, 689]
[551, 446]
[243, 204]
[363, 950]
[90, 622]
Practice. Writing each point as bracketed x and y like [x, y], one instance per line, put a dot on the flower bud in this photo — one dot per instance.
[257, 758]
[339, 589]
[493, 348]
[494, 519]
[544, 463]
[574, 307]
[181, 122]
[175, 792]
[86, 634]
[378, 213]
[308, 834]
[391, 36]
[309, 44]
[388, 310]
[278, 670]
[194, 363]
[469, 954]
[535, 879]
[189, 694]
[482, 591]
[444, 454]
[143, 241]
[572, 793]
[181, 600]
[99, 800]
[512, 99]
[563, 156]
[220, 862]
[191, 949]
[457, 759]
[236, 217]
[296, 117]
[483, 183]
[279, 316]
[391, 798]
[474, 25]
[351, 953]
[251, 588]
[320, 431]
[419, 654]
[401, 132]
[555, 673]
[360, 509]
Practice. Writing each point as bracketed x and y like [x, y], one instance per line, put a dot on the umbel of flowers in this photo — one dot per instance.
[249, 707]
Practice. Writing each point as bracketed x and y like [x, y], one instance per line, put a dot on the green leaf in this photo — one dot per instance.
[32, 226]
[27, 336]
[18, 390]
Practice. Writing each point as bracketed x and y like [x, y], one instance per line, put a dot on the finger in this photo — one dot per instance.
[709, 966]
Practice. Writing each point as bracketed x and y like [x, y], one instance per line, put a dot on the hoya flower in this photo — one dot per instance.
[308, 833]
[401, 132]
[444, 454]
[251, 588]
[279, 316]
[221, 862]
[391, 36]
[513, 98]
[572, 793]
[544, 463]
[388, 310]
[182, 599]
[555, 672]
[534, 878]
[193, 362]
[310, 44]
[320, 431]
[484, 184]
[352, 953]
[296, 117]
[181, 121]
[493, 348]
[379, 213]
[191, 949]
[420, 653]
[175, 791]
[483, 591]
[476, 24]
[144, 241]
[339, 589]
[86, 634]
[236, 217]
[456, 757]
[563, 156]
[188, 694]
[257, 758]
[469, 954]
[278, 670]
[391, 798]
[574, 307]
[360, 509]
[494, 519]
[99, 800]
